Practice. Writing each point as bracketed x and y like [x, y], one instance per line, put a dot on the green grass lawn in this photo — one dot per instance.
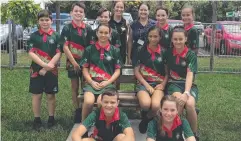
[219, 104]
[220, 64]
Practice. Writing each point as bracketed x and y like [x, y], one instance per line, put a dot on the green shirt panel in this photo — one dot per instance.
[44, 50]
[90, 120]
[101, 69]
[192, 38]
[152, 129]
[151, 70]
[178, 72]
[166, 36]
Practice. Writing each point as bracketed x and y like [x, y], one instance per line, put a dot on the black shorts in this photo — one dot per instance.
[47, 84]
[73, 75]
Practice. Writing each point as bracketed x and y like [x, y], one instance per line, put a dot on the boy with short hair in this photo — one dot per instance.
[45, 53]
[75, 37]
[110, 123]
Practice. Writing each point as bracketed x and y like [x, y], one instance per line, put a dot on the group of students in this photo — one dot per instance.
[164, 61]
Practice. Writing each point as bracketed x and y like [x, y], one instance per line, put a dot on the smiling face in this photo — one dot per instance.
[45, 23]
[153, 37]
[169, 111]
[103, 33]
[143, 11]
[187, 16]
[178, 40]
[77, 13]
[119, 8]
[161, 16]
[109, 104]
[104, 18]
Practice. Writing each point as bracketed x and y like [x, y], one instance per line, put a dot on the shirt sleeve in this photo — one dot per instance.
[186, 129]
[115, 41]
[30, 43]
[124, 122]
[152, 129]
[64, 37]
[84, 62]
[58, 47]
[90, 120]
[192, 63]
[90, 36]
[118, 59]
[194, 41]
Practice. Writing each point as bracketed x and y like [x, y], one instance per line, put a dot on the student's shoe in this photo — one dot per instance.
[143, 125]
[51, 122]
[77, 115]
[37, 123]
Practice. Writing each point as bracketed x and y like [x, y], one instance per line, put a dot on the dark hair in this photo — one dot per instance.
[143, 3]
[162, 8]
[79, 4]
[189, 6]
[179, 28]
[159, 116]
[110, 92]
[153, 28]
[44, 13]
[101, 11]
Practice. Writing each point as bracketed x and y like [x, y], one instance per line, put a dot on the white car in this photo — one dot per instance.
[199, 26]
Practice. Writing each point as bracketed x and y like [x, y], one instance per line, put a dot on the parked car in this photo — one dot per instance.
[127, 17]
[199, 26]
[4, 36]
[227, 37]
[174, 23]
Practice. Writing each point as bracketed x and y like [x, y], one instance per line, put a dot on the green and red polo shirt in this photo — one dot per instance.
[179, 128]
[101, 61]
[166, 36]
[103, 130]
[77, 38]
[152, 64]
[114, 38]
[180, 63]
[192, 36]
[45, 46]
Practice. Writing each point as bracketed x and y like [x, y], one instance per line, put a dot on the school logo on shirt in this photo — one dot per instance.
[108, 58]
[31, 45]
[51, 41]
[159, 59]
[166, 35]
[123, 29]
[65, 38]
[183, 63]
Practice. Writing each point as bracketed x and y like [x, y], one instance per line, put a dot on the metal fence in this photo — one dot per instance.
[220, 48]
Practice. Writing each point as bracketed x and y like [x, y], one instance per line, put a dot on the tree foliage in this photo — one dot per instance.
[21, 12]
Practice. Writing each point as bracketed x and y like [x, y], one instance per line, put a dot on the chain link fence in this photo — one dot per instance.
[219, 46]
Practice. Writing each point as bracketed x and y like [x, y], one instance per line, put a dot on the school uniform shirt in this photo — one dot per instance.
[179, 128]
[45, 46]
[166, 36]
[77, 38]
[101, 61]
[180, 63]
[114, 38]
[152, 65]
[122, 29]
[103, 130]
[139, 36]
[192, 36]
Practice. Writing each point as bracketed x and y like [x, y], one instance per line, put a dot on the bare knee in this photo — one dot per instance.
[89, 99]
[190, 104]
[144, 100]
[119, 137]
[50, 97]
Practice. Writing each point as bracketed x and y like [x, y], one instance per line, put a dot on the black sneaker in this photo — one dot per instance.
[37, 123]
[143, 126]
[77, 116]
[51, 122]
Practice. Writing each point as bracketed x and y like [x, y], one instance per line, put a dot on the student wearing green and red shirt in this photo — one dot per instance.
[101, 67]
[167, 125]
[151, 73]
[110, 124]
[187, 15]
[44, 52]
[162, 23]
[75, 37]
[103, 17]
[182, 65]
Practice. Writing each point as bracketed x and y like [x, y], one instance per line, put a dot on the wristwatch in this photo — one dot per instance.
[187, 93]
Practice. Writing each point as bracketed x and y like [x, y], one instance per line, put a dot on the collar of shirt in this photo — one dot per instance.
[176, 122]
[50, 32]
[120, 22]
[189, 26]
[115, 117]
[182, 54]
[82, 25]
[149, 23]
[106, 47]
[158, 50]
